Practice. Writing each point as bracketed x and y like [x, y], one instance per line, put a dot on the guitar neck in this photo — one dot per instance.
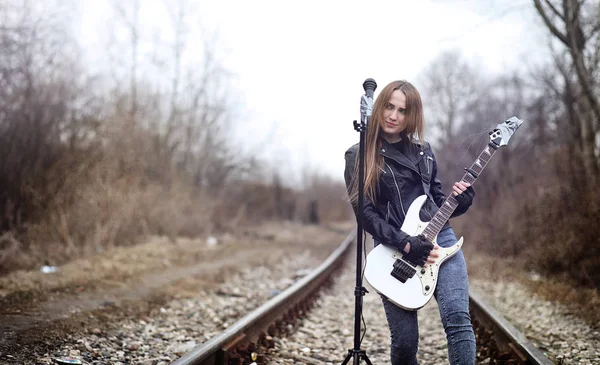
[443, 214]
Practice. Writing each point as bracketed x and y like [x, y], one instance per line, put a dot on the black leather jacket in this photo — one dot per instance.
[399, 185]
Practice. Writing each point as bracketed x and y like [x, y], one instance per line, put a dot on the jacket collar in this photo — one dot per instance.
[389, 151]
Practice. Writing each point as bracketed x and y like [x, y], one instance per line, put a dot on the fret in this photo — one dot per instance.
[440, 221]
[447, 211]
[468, 178]
[483, 162]
[429, 233]
[447, 205]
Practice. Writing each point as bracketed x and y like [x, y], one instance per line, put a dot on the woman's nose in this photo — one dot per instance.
[394, 115]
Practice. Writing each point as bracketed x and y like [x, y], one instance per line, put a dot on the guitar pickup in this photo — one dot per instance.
[402, 271]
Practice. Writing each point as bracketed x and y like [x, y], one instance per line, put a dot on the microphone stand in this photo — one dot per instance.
[366, 107]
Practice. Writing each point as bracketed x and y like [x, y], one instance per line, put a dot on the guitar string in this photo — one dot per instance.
[476, 138]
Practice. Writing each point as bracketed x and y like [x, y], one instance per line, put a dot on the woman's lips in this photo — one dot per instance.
[391, 125]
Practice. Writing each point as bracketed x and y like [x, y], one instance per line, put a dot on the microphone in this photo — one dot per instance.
[366, 101]
[369, 85]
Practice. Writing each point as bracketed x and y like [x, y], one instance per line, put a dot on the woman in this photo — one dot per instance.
[399, 167]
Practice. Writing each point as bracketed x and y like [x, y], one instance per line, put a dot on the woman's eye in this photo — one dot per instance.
[389, 106]
[402, 110]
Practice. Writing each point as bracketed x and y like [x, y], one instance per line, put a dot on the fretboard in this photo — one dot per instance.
[443, 214]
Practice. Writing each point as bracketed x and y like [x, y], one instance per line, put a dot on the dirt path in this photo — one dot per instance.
[37, 311]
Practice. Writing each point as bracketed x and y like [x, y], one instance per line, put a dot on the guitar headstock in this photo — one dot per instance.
[502, 133]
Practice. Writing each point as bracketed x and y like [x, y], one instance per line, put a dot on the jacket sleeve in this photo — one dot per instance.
[373, 223]
[436, 190]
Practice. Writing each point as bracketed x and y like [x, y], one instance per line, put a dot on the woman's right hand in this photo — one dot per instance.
[419, 250]
[433, 255]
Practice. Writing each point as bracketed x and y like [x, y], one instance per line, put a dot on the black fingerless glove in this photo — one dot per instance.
[420, 248]
[465, 199]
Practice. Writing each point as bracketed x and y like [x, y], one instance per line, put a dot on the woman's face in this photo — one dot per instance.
[394, 115]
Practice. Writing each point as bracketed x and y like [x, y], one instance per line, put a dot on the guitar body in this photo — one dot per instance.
[417, 290]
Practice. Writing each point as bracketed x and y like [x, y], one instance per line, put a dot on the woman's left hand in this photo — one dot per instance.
[464, 194]
[459, 187]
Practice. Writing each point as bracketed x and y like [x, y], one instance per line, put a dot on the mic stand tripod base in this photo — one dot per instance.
[357, 355]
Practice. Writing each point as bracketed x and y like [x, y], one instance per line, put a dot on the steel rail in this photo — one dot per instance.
[506, 336]
[256, 323]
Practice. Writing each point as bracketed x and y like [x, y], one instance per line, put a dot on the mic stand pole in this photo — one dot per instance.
[359, 291]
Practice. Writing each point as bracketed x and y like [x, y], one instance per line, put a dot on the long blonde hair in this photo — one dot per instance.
[414, 128]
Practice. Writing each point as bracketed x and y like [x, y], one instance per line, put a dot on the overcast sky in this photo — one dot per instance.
[299, 66]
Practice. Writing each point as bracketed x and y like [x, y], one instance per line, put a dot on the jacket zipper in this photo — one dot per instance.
[387, 215]
[429, 158]
[397, 188]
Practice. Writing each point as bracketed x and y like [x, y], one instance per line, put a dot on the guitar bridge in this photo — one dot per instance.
[402, 271]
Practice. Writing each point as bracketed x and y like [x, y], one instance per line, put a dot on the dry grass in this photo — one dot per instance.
[106, 215]
[562, 236]
[581, 301]
[159, 259]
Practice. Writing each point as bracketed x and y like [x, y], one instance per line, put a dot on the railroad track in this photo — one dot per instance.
[498, 339]
[242, 342]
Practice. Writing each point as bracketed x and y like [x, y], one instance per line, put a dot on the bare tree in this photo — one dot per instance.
[178, 21]
[575, 37]
[44, 120]
[450, 86]
[449, 92]
[577, 26]
[131, 21]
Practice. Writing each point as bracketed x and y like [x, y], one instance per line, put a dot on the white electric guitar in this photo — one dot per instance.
[411, 287]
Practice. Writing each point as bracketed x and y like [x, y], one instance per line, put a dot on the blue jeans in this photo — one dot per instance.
[452, 295]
